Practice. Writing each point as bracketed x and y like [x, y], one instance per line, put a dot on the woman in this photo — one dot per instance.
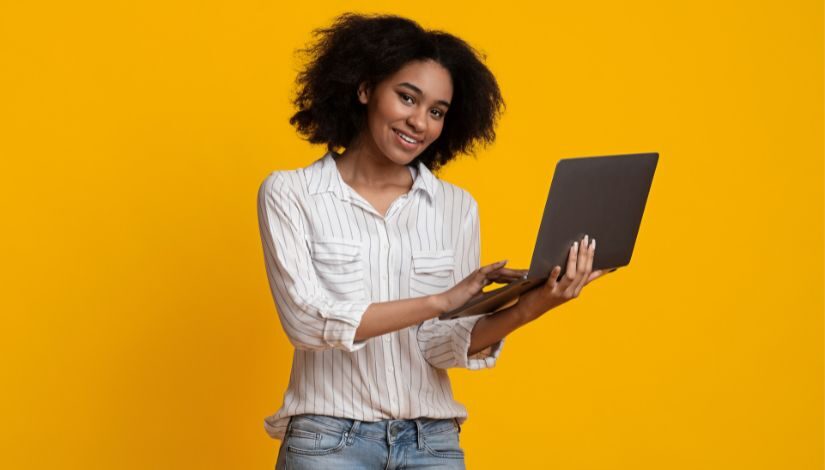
[365, 248]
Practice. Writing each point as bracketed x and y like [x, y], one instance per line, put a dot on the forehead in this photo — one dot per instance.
[429, 76]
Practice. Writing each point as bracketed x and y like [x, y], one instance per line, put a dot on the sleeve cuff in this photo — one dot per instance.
[462, 335]
[340, 326]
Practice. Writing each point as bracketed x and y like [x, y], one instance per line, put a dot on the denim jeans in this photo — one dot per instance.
[321, 442]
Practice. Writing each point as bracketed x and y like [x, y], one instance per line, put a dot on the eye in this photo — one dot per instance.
[440, 114]
[404, 97]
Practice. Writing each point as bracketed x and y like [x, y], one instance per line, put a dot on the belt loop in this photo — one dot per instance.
[419, 433]
[350, 435]
[289, 425]
[457, 424]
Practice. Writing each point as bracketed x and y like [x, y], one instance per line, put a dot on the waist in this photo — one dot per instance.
[394, 428]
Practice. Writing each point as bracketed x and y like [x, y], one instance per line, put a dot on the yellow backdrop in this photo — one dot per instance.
[138, 328]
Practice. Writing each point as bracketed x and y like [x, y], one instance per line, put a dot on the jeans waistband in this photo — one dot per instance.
[391, 429]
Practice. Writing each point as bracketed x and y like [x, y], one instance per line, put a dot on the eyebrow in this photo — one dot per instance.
[418, 90]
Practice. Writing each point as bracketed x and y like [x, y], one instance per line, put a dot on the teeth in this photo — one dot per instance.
[406, 138]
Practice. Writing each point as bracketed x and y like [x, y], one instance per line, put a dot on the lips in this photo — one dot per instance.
[403, 142]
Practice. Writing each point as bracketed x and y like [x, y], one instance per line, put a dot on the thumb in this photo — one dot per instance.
[554, 276]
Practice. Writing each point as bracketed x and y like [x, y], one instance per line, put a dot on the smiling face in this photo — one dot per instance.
[410, 105]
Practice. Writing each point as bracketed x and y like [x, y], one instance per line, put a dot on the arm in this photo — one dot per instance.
[384, 317]
[310, 318]
[493, 328]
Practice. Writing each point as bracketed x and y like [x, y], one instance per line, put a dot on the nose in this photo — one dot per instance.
[417, 120]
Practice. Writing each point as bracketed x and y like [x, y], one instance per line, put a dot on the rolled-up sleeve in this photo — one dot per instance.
[446, 343]
[311, 319]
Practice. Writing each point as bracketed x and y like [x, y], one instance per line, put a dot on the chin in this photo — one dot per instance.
[401, 158]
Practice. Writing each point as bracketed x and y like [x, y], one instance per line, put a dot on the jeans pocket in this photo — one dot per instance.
[308, 437]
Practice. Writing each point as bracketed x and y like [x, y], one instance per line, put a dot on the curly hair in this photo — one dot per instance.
[369, 48]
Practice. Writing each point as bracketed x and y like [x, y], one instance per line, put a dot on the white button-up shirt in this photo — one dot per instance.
[329, 254]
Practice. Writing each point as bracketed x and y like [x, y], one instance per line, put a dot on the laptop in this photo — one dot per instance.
[603, 197]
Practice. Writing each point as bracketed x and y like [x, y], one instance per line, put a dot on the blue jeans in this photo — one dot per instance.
[320, 442]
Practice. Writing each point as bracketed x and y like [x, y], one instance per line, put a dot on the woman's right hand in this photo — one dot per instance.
[472, 285]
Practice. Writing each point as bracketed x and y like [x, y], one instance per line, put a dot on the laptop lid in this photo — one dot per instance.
[603, 197]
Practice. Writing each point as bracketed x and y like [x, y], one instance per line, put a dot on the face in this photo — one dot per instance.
[413, 102]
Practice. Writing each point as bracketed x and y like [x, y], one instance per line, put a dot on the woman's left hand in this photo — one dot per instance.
[536, 302]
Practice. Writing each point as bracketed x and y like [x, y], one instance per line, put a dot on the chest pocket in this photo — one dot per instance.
[432, 272]
[339, 264]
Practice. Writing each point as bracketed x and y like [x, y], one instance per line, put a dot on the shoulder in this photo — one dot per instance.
[295, 181]
[281, 184]
[461, 199]
[274, 182]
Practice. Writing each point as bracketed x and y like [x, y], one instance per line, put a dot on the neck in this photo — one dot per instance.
[364, 165]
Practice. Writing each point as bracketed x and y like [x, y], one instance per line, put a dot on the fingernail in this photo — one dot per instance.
[575, 245]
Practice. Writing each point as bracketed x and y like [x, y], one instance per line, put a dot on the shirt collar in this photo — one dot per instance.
[326, 177]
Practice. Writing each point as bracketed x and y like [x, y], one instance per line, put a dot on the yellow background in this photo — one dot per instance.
[138, 328]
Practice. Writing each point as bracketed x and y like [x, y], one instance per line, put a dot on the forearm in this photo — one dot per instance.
[384, 317]
[494, 327]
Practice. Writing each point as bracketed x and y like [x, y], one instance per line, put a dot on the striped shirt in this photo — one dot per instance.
[329, 254]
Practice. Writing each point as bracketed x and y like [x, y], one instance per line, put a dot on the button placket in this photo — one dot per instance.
[386, 261]
[383, 268]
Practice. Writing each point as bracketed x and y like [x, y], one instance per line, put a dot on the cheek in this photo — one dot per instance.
[436, 129]
[378, 124]
[391, 109]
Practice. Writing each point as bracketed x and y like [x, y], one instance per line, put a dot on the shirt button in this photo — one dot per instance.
[387, 339]
[390, 369]
[384, 277]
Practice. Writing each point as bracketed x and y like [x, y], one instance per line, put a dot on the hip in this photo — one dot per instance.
[318, 441]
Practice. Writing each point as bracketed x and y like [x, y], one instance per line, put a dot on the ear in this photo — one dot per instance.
[363, 93]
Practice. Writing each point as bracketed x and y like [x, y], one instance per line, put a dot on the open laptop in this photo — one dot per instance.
[603, 197]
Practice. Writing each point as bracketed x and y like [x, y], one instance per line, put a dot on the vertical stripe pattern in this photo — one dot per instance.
[328, 254]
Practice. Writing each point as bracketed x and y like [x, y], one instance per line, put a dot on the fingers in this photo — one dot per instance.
[503, 279]
[581, 260]
[570, 272]
[482, 274]
[492, 267]
[512, 272]
[587, 256]
[579, 266]
[505, 275]
[599, 273]
[497, 272]
[595, 275]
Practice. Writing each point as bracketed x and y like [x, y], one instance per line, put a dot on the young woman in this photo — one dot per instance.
[366, 247]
